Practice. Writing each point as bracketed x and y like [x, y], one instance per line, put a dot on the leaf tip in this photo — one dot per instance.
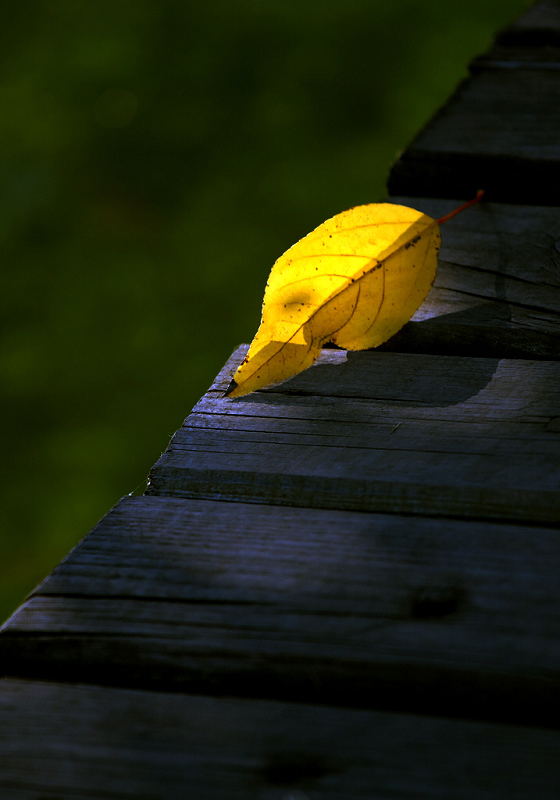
[231, 388]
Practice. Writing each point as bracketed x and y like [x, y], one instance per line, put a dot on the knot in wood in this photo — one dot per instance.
[434, 602]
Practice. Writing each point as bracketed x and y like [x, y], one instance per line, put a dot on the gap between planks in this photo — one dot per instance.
[424, 615]
[75, 742]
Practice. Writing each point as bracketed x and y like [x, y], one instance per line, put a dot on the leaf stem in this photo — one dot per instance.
[477, 199]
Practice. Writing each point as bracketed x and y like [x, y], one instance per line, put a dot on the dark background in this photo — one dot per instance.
[156, 157]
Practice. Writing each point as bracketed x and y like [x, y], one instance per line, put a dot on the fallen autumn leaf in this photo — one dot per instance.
[353, 281]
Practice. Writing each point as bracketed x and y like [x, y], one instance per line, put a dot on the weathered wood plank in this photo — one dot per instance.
[418, 615]
[533, 38]
[537, 27]
[497, 289]
[499, 132]
[503, 56]
[77, 742]
[390, 432]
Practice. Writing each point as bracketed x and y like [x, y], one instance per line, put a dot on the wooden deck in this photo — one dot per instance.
[347, 586]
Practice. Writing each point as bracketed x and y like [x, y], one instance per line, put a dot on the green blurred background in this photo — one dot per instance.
[156, 157]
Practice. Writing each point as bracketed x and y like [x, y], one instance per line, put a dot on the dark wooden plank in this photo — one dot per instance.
[497, 289]
[417, 615]
[504, 56]
[392, 432]
[499, 129]
[77, 742]
[538, 27]
[499, 132]
[532, 39]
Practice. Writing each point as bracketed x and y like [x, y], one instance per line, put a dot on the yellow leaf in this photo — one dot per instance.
[353, 281]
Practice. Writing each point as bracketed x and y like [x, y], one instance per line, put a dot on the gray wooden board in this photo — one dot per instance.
[497, 288]
[499, 132]
[76, 742]
[371, 431]
[412, 614]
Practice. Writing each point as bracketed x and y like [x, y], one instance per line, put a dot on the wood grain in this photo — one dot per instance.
[497, 288]
[76, 742]
[390, 432]
[418, 615]
[498, 132]
[392, 623]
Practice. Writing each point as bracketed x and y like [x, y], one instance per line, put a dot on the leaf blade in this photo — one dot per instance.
[354, 281]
